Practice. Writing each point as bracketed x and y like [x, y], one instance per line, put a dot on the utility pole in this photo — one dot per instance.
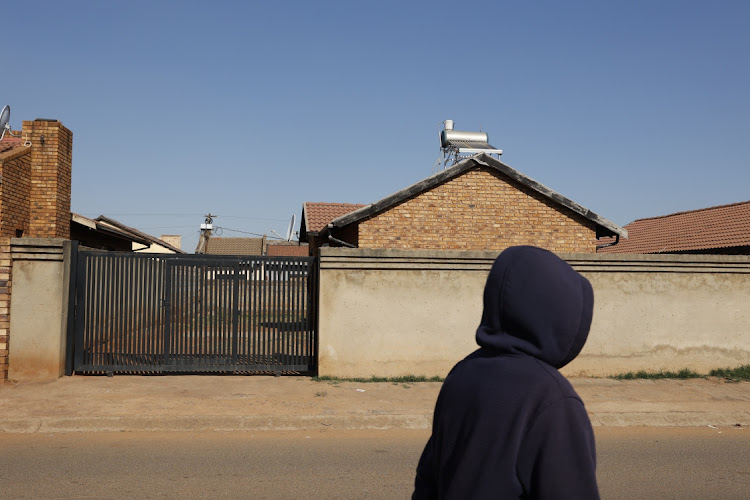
[206, 231]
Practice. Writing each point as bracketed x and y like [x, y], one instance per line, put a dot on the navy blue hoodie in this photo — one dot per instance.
[507, 424]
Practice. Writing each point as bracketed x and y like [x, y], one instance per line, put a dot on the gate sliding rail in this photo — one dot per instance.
[140, 313]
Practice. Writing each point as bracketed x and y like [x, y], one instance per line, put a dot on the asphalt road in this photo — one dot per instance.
[638, 463]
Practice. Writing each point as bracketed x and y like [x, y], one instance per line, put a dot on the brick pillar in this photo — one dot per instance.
[5, 267]
[51, 162]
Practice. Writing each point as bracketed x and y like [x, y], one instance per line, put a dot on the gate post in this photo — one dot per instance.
[71, 259]
[38, 309]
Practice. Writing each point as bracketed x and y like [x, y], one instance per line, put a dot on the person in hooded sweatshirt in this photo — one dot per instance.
[507, 424]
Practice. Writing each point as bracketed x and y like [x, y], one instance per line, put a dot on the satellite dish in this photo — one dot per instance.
[291, 228]
[4, 119]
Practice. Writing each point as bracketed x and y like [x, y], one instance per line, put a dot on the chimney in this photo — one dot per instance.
[172, 239]
[51, 164]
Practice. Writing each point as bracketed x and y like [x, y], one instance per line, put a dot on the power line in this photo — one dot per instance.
[249, 218]
[184, 215]
[238, 231]
[146, 215]
[166, 227]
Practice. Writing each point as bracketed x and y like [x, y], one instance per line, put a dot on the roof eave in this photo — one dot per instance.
[604, 227]
[403, 194]
[14, 153]
[305, 236]
[149, 240]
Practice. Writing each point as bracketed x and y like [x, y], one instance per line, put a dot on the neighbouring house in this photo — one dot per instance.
[35, 180]
[35, 185]
[251, 247]
[722, 230]
[108, 234]
[165, 244]
[315, 218]
[477, 204]
[286, 249]
[232, 246]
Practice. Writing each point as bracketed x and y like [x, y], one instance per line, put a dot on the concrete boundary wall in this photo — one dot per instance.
[392, 313]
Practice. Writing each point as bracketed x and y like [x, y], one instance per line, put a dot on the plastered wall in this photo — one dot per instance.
[392, 313]
[39, 309]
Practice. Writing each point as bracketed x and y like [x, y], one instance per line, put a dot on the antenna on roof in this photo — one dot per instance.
[456, 145]
[4, 123]
[290, 229]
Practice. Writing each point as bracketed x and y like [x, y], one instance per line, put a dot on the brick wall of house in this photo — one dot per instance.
[14, 193]
[313, 244]
[350, 235]
[479, 210]
[51, 161]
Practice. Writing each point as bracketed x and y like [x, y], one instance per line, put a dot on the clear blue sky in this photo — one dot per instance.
[248, 109]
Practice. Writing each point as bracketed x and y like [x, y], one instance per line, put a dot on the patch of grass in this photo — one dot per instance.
[732, 374]
[321, 394]
[740, 373]
[408, 379]
[642, 374]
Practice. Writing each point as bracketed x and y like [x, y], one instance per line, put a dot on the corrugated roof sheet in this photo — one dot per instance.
[112, 230]
[234, 246]
[704, 229]
[151, 239]
[319, 215]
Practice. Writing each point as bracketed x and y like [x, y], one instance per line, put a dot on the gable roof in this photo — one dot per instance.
[107, 230]
[234, 246]
[722, 226]
[316, 216]
[604, 227]
[150, 240]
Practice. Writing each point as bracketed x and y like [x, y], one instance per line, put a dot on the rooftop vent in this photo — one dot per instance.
[456, 145]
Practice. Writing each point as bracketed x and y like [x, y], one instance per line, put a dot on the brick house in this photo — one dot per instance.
[722, 230]
[35, 181]
[477, 204]
[315, 218]
[232, 246]
[108, 234]
[251, 247]
[286, 249]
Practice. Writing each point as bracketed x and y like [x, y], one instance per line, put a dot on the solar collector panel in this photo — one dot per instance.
[471, 144]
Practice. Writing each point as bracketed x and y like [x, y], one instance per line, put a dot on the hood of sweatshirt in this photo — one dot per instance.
[535, 304]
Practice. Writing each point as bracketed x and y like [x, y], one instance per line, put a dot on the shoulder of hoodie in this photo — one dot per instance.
[546, 379]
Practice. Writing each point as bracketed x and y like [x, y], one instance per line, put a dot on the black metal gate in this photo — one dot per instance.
[136, 313]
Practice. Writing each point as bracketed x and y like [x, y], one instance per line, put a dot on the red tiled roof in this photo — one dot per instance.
[318, 215]
[10, 143]
[287, 250]
[697, 230]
